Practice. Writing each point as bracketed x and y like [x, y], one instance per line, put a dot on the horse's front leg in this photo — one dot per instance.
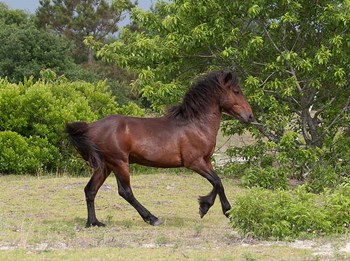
[204, 168]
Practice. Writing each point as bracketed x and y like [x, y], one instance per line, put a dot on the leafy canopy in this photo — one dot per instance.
[293, 58]
[26, 50]
[78, 19]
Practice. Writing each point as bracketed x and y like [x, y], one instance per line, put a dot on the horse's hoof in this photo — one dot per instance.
[95, 224]
[203, 208]
[226, 210]
[202, 212]
[156, 222]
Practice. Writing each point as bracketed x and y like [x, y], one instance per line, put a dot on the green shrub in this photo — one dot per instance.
[322, 177]
[47, 155]
[33, 115]
[14, 153]
[268, 178]
[234, 169]
[26, 155]
[291, 214]
[337, 207]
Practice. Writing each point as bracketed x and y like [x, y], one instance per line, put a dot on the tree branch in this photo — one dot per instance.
[262, 130]
[269, 36]
[335, 120]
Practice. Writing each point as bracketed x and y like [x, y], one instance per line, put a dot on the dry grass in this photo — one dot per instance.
[44, 218]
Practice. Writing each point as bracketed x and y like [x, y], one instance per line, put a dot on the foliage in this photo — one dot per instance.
[35, 115]
[25, 155]
[77, 19]
[293, 57]
[291, 214]
[118, 79]
[26, 50]
[334, 169]
[268, 178]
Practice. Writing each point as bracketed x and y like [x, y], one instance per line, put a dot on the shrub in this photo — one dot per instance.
[337, 207]
[322, 177]
[291, 214]
[268, 178]
[14, 153]
[333, 169]
[25, 155]
[33, 115]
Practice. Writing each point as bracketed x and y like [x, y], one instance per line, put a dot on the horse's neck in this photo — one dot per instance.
[210, 123]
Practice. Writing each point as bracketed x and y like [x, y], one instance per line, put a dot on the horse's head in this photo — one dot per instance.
[233, 102]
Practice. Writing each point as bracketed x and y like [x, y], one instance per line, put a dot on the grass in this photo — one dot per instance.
[43, 218]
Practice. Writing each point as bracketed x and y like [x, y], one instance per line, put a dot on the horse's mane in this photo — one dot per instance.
[200, 96]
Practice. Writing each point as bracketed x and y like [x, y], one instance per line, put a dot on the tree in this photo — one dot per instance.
[293, 57]
[78, 19]
[26, 50]
[9, 16]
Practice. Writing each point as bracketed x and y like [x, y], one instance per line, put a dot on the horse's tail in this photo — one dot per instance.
[86, 148]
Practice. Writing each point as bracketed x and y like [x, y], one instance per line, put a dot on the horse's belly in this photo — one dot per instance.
[156, 158]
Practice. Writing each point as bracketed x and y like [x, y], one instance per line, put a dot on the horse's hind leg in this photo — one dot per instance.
[99, 176]
[125, 191]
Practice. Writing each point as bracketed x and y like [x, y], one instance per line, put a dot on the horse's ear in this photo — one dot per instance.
[228, 77]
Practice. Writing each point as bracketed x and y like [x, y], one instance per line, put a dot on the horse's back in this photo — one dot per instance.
[146, 141]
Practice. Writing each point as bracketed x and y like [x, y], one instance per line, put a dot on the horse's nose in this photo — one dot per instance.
[251, 118]
[247, 118]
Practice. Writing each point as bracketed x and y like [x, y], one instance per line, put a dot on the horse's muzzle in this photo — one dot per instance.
[246, 118]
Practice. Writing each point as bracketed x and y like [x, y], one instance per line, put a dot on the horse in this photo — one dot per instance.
[185, 136]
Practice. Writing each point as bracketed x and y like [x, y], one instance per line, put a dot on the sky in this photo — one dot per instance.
[30, 6]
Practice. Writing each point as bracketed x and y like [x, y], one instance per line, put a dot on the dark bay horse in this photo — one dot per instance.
[184, 137]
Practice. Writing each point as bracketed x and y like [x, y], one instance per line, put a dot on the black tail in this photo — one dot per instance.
[88, 150]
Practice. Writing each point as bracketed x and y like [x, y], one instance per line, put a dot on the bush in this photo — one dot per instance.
[25, 155]
[33, 117]
[291, 214]
[14, 153]
[268, 178]
[322, 177]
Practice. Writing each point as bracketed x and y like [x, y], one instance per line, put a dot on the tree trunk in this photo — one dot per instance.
[90, 57]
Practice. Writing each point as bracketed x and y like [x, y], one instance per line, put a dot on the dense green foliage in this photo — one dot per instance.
[33, 117]
[77, 19]
[26, 155]
[291, 214]
[25, 50]
[292, 56]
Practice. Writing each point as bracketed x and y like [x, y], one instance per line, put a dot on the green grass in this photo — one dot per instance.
[43, 218]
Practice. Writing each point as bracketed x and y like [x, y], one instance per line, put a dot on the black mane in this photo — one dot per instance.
[200, 96]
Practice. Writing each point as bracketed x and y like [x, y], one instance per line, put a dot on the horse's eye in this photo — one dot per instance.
[236, 92]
